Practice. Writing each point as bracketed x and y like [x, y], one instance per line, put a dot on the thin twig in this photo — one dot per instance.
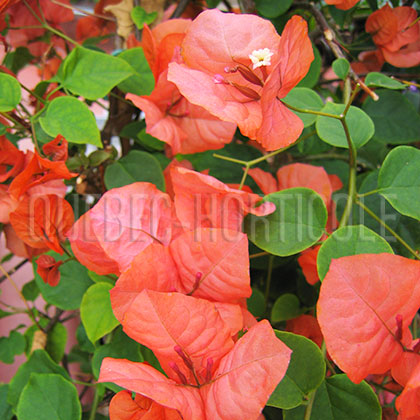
[182, 5]
[13, 270]
[333, 43]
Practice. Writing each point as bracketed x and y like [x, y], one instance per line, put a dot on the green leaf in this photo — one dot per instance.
[149, 141]
[399, 180]
[141, 17]
[137, 166]
[305, 373]
[83, 340]
[72, 119]
[396, 119]
[56, 342]
[331, 130]
[92, 74]
[97, 278]
[96, 312]
[6, 412]
[380, 208]
[10, 93]
[272, 8]
[98, 156]
[375, 79]
[311, 78]
[285, 307]
[297, 223]
[341, 67]
[121, 347]
[256, 303]
[17, 59]
[49, 396]
[74, 281]
[340, 399]
[11, 346]
[30, 290]
[349, 240]
[304, 98]
[38, 362]
[143, 81]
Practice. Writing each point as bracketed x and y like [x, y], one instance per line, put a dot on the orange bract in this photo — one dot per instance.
[43, 221]
[218, 50]
[342, 4]
[361, 298]
[397, 34]
[195, 348]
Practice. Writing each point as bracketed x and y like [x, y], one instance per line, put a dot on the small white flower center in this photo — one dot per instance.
[261, 57]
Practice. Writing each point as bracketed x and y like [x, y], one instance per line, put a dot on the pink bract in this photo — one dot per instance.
[217, 73]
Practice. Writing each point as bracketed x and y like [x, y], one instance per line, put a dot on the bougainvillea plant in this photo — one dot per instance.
[220, 206]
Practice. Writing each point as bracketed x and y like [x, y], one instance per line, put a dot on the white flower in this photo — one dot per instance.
[261, 57]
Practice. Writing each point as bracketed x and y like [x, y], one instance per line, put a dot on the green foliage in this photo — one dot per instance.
[11, 346]
[137, 166]
[256, 303]
[38, 362]
[49, 396]
[349, 240]
[141, 17]
[297, 223]
[341, 67]
[10, 93]
[72, 119]
[340, 399]
[305, 373]
[285, 307]
[142, 81]
[272, 8]
[92, 74]
[399, 180]
[395, 118]
[376, 79]
[331, 130]
[74, 281]
[304, 98]
[96, 312]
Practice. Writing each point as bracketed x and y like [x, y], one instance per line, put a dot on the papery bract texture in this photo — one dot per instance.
[238, 389]
[342, 4]
[152, 269]
[186, 127]
[247, 375]
[204, 201]
[147, 381]
[125, 221]
[124, 407]
[162, 321]
[408, 403]
[217, 74]
[360, 299]
[213, 264]
[43, 221]
[88, 250]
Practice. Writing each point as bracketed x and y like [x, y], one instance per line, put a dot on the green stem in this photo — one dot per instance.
[60, 34]
[75, 381]
[352, 175]
[347, 91]
[34, 138]
[10, 118]
[246, 170]
[95, 404]
[366, 194]
[309, 111]
[391, 231]
[229, 159]
[352, 161]
[258, 254]
[53, 91]
[308, 409]
[33, 94]
[268, 280]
